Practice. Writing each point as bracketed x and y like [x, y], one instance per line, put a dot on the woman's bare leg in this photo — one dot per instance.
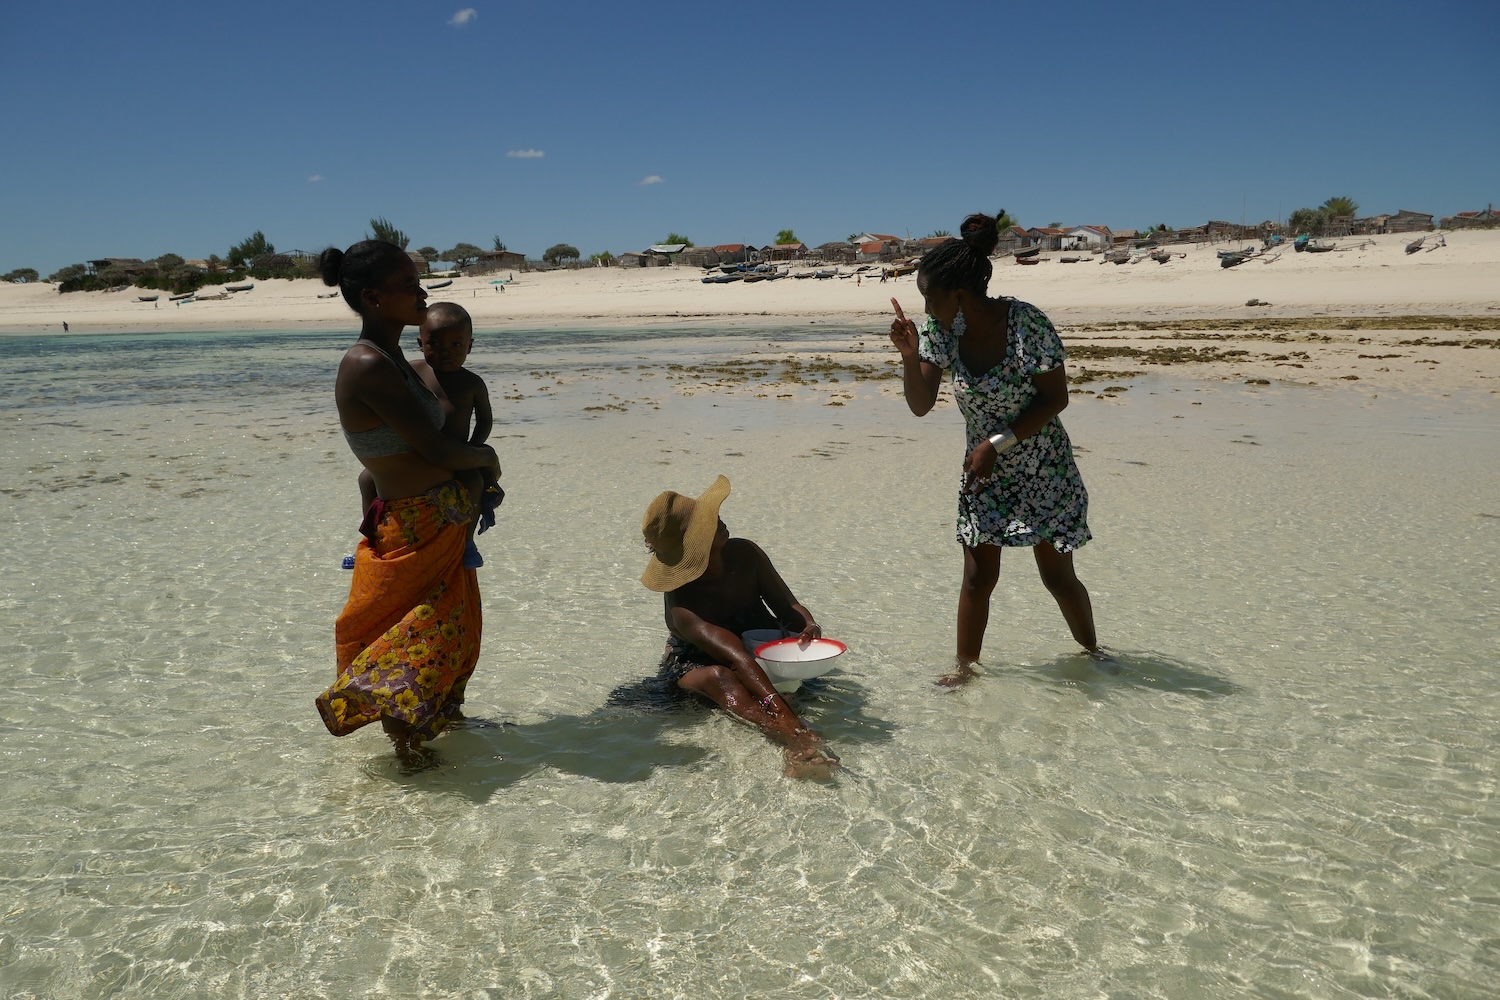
[1072, 597]
[804, 754]
[981, 572]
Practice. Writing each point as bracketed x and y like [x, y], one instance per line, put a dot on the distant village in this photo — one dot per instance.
[884, 248]
[878, 248]
[861, 248]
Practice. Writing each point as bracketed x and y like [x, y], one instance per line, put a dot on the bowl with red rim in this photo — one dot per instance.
[789, 662]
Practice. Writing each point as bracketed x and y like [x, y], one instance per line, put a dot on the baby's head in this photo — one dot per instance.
[446, 336]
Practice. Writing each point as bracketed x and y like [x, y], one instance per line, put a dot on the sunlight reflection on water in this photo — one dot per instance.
[1290, 790]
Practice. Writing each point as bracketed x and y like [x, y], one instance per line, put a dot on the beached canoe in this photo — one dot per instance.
[147, 298]
[179, 298]
[439, 284]
[240, 288]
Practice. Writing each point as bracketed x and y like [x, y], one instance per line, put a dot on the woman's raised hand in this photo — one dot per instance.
[903, 332]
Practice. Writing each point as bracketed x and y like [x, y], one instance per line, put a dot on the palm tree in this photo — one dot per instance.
[383, 230]
[1340, 206]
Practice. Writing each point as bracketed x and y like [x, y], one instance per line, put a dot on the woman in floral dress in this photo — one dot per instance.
[1019, 485]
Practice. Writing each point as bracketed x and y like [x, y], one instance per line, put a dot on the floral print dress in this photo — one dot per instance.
[1036, 493]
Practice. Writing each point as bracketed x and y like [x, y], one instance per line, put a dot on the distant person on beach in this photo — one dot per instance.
[714, 588]
[408, 637]
[1019, 484]
[445, 338]
[65, 326]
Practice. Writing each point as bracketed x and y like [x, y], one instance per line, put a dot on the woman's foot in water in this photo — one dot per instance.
[1102, 660]
[963, 671]
[815, 762]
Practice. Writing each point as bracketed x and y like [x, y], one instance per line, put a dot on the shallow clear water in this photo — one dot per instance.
[1290, 791]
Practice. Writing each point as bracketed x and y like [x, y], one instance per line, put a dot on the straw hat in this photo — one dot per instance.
[680, 531]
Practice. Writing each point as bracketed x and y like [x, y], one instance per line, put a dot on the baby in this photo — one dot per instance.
[445, 338]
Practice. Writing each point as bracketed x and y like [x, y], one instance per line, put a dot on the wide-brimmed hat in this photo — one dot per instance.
[680, 531]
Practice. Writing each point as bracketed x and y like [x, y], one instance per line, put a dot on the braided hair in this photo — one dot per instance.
[364, 265]
[965, 262]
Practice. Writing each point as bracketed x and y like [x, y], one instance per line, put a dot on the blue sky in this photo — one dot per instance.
[141, 129]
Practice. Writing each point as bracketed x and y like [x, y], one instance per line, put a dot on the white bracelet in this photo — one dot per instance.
[1004, 440]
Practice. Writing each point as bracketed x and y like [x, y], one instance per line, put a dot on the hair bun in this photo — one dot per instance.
[980, 233]
[330, 262]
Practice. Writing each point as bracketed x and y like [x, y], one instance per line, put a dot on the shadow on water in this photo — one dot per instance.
[480, 758]
[624, 741]
[1138, 668]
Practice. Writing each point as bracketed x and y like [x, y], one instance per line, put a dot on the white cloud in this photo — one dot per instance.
[526, 154]
[314, 178]
[653, 179]
[463, 17]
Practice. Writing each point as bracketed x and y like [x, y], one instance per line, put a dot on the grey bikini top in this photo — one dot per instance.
[381, 441]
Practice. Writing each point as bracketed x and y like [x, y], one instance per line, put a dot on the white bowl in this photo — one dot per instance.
[789, 662]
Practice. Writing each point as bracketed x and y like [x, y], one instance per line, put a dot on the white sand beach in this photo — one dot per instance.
[1374, 317]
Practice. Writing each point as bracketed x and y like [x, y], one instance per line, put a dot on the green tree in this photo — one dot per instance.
[938, 232]
[429, 253]
[248, 249]
[1305, 220]
[560, 252]
[604, 256]
[20, 274]
[499, 246]
[1005, 221]
[852, 237]
[674, 238]
[383, 230]
[462, 255]
[1339, 206]
[786, 236]
[69, 273]
[215, 265]
[167, 262]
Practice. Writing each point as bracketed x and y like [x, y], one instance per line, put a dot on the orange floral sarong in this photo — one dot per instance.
[408, 638]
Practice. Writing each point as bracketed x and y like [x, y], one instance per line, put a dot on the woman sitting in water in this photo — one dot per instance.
[714, 588]
[408, 638]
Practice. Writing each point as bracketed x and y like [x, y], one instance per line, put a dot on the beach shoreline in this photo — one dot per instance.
[1374, 318]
